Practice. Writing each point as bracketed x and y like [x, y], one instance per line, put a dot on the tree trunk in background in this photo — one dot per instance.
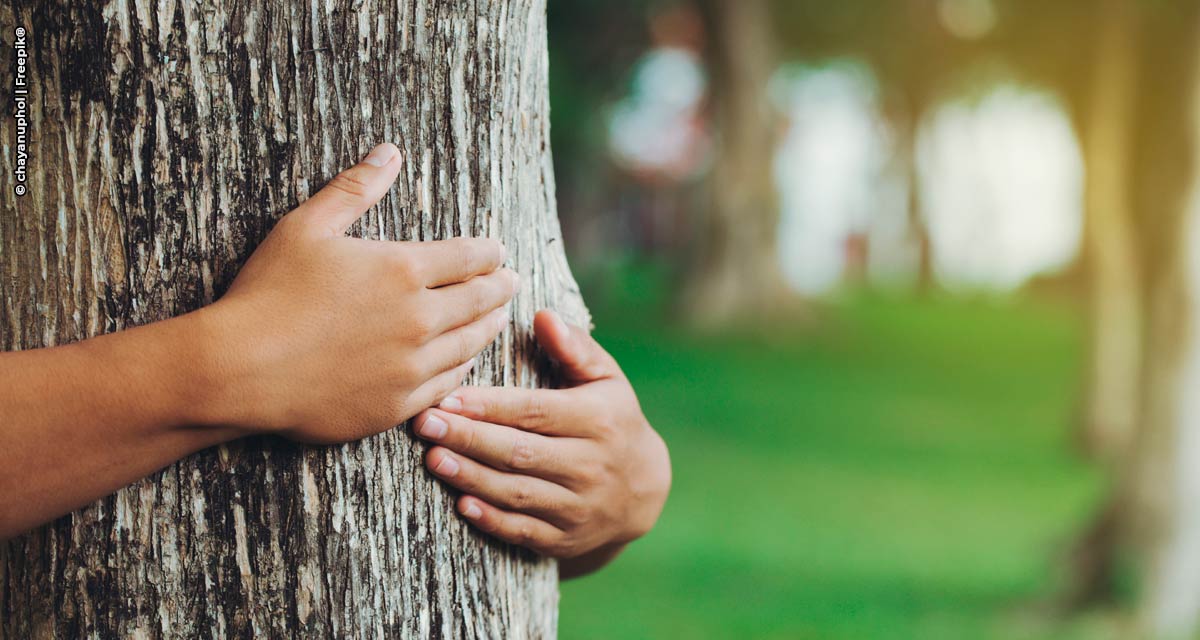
[1159, 491]
[1110, 408]
[1166, 487]
[904, 112]
[1111, 383]
[736, 268]
[167, 138]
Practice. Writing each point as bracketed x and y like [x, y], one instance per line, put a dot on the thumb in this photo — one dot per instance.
[581, 357]
[353, 191]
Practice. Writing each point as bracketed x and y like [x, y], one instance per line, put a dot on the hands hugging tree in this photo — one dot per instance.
[363, 333]
[574, 473]
[324, 338]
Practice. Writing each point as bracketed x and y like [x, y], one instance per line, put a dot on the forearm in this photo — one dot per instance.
[82, 420]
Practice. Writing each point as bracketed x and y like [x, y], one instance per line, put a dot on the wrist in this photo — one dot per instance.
[212, 371]
[161, 375]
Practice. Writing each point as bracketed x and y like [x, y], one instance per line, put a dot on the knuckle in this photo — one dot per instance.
[350, 185]
[405, 267]
[461, 249]
[536, 410]
[480, 298]
[504, 285]
[606, 427]
[478, 253]
[464, 347]
[525, 535]
[523, 456]
[421, 325]
[468, 438]
[576, 515]
[591, 473]
[521, 497]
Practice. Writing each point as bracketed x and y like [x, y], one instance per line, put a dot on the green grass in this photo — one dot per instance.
[882, 469]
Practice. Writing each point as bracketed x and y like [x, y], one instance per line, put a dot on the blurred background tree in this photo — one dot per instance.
[984, 403]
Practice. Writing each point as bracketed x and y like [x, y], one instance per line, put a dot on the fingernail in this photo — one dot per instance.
[502, 319]
[516, 277]
[451, 403]
[472, 511]
[380, 155]
[447, 467]
[434, 428]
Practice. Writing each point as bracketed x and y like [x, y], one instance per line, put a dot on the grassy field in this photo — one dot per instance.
[881, 469]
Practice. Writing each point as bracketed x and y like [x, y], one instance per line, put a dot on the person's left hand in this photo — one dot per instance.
[573, 473]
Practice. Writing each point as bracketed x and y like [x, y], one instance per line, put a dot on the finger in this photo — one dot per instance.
[500, 447]
[461, 303]
[437, 388]
[350, 193]
[536, 410]
[526, 494]
[581, 357]
[515, 528]
[459, 345]
[444, 262]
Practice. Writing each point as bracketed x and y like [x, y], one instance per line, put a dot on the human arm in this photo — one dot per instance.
[320, 338]
[574, 473]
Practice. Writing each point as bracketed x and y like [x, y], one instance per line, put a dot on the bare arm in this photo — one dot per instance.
[321, 338]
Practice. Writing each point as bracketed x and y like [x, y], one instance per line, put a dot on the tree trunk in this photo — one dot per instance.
[1111, 384]
[736, 270]
[1160, 486]
[1166, 484]
[1111, 402]
[906, 105]
[166, 138]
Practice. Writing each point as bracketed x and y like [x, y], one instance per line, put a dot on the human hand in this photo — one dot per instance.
[325, 338]
[569, 473]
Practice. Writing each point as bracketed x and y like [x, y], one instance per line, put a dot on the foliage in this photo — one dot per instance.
[882, 469]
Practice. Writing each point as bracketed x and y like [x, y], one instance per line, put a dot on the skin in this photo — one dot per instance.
[575, 473]
[325, 339]
[322, 338]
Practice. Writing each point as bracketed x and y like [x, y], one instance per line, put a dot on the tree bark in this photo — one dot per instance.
[736, 269]
[1110, 409]
[1158, 487]
[1111, 384]
[1165, 482]
[167, 137]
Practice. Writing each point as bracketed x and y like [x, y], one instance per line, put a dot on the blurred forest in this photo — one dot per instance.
[910, 288]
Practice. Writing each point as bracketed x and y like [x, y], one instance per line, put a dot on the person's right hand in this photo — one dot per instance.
[325, 338]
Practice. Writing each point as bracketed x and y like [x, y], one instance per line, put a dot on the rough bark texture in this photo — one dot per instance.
[167, 138]
[736, 270]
